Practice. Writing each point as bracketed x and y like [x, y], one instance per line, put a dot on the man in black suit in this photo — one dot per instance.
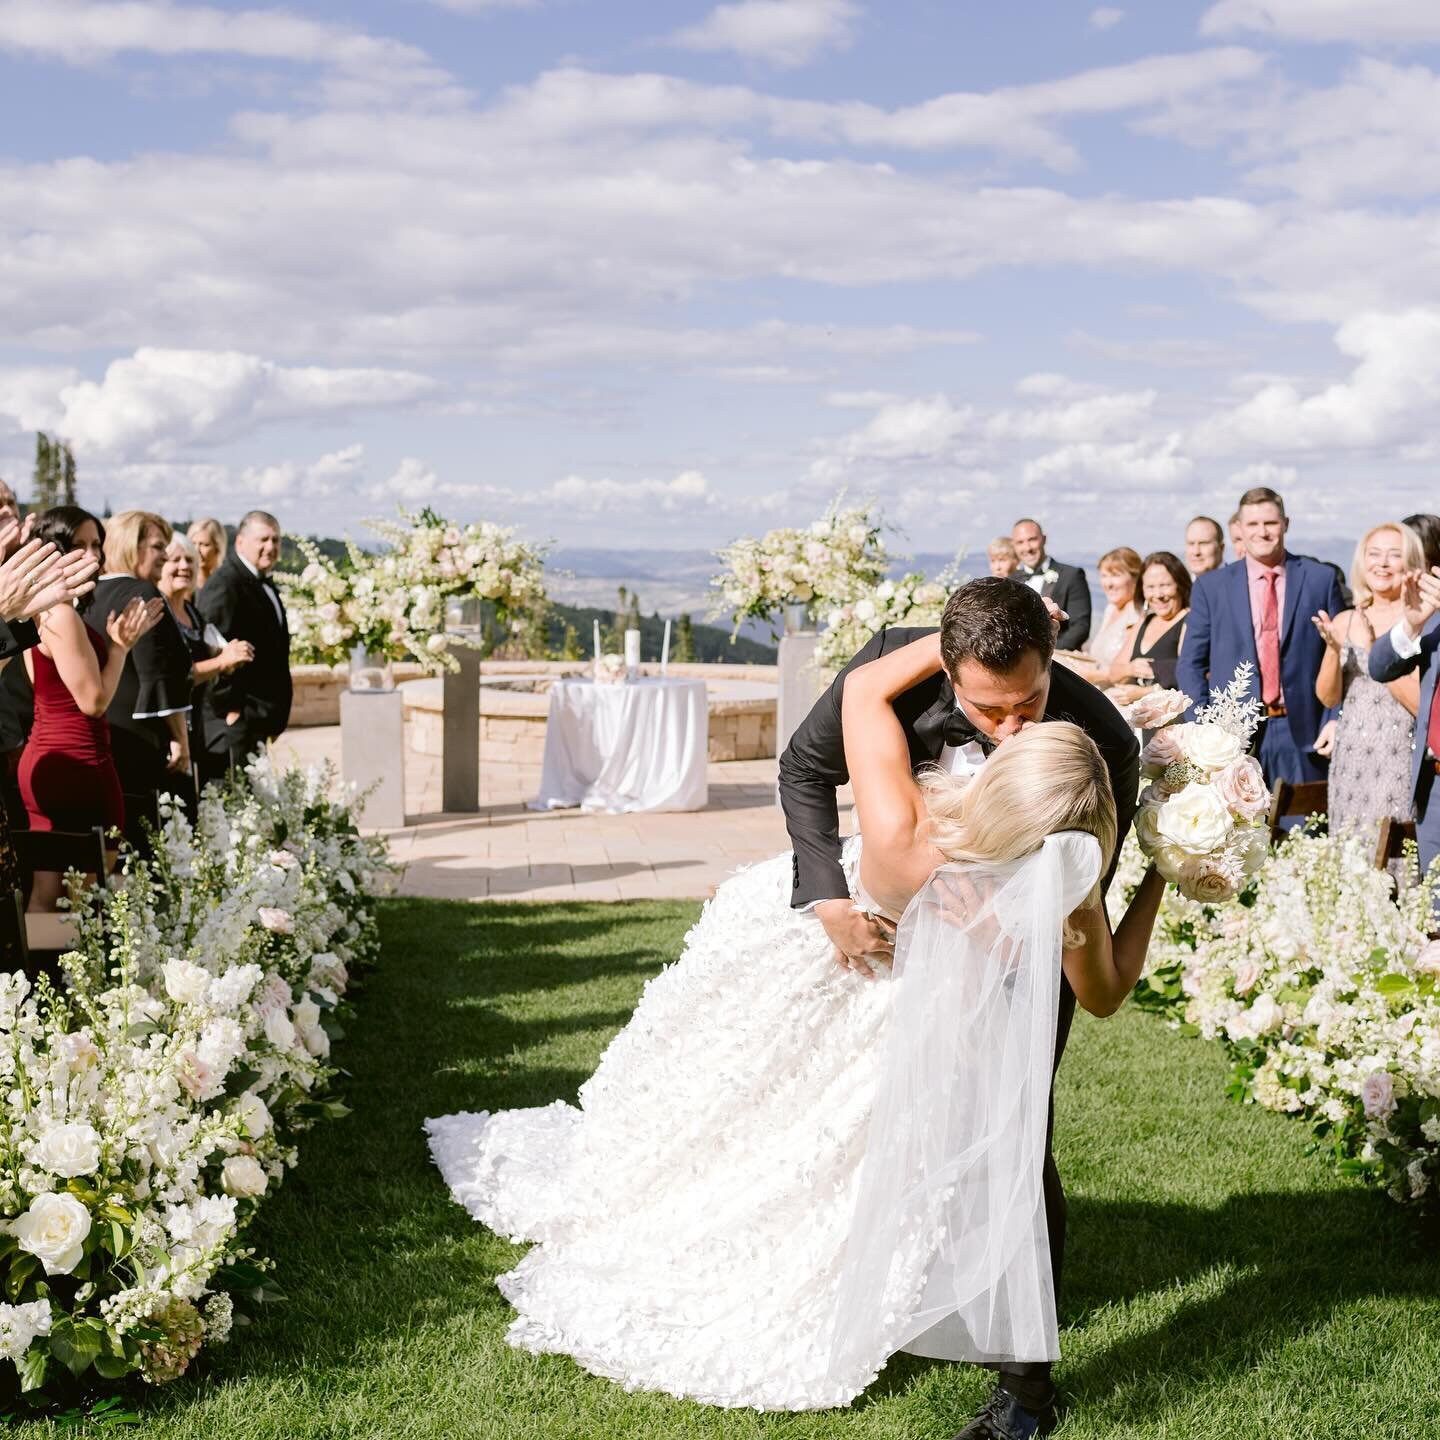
[1064, 584]
[998, 639]
[250, 706]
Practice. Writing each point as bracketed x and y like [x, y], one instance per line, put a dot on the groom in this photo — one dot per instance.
[997, 640]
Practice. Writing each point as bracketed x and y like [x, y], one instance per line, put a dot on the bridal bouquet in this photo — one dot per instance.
[1202, 817]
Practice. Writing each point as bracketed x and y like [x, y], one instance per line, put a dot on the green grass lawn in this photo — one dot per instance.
[1221, 1281]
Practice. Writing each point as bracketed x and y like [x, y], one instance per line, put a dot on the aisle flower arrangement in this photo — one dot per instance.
[833, 562]
[911, 600]
[1324, 990]
[155, 1098]
[392, 604]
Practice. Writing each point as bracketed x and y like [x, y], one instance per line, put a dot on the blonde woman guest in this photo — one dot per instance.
[149, 714]
[208, 538]
[210, 655]
[1004, 558]
[1119, 579]
[1370, 742]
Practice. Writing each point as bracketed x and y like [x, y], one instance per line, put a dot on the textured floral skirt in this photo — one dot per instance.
[691, 1215]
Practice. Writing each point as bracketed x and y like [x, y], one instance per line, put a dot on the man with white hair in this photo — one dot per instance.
[250, 706]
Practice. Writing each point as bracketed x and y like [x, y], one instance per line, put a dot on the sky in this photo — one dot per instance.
[659, 275]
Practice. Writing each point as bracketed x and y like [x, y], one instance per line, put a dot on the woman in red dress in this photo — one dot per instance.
[67, 776]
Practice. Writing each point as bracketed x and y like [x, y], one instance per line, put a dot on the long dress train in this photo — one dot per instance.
[696, 1215]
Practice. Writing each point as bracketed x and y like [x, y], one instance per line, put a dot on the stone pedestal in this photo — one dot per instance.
[800, 684]
[460, 742]
[372, 755]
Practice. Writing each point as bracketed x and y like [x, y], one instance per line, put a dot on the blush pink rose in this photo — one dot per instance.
[1377, 1094]
[1162, 750]
[1157, 708]
[1427, 962]
[1242, 787]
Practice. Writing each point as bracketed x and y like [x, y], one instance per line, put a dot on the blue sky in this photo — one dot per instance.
[658, 275]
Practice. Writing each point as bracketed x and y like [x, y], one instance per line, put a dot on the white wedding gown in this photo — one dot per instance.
[706, 1222]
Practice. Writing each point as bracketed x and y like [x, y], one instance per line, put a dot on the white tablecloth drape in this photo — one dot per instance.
[619, 748]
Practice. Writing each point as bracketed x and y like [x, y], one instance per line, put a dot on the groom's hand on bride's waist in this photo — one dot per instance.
[862, 941]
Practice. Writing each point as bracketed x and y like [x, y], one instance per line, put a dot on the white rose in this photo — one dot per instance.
[53, 1229]
[77, 1050]
[1210, 747]
[437, 644]
[185, 983]
[885, 590]
[283, 860]
[279, 1031]
[69, 1150]
[279, 922]
[865, 610]
[1377, 1094]
[1247, 972]
[244, 1176]
[1280, 939]
[1266, 1015]
[1146, 826]
[1196, 820]
[253, 1114]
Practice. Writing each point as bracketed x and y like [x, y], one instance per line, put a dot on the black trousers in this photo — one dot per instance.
[227, 752]
[1029, 1380]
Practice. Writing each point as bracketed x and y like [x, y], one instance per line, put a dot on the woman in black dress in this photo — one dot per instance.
[149, 716]
[1152, 647]
[210, 653]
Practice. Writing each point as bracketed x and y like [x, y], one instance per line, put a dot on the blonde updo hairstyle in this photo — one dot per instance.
[1048, 778]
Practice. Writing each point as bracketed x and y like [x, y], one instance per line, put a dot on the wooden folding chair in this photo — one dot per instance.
[1391, 843]
[1309, 797]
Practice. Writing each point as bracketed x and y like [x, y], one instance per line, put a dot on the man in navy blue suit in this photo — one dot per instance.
[1413, 643]
[1259, 609]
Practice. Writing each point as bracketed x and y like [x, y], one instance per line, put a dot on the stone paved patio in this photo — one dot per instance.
[506, 852]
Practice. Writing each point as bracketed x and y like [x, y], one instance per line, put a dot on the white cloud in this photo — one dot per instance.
[1106, 17]
[1390, 398]
[156, 401]
[85, 31]
[1127, 464]
[781, 32]
[1263, 472]
[1362, 22]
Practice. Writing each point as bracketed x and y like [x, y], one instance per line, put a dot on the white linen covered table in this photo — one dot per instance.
[620, 748]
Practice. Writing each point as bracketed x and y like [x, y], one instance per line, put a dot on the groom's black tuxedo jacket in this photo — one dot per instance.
[813, 764]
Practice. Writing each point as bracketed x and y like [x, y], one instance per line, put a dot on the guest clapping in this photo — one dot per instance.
[149, 714]
[208, 538]
[246, 709]
[1152, 650]
[1004, 561]
[210, 653]
[1371, 740]
[1119, 580]
[1204, 546]
[67, 774]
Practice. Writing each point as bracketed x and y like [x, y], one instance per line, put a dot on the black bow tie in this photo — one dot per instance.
[959, 731]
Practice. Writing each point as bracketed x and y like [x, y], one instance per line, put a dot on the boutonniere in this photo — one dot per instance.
[1049, 576]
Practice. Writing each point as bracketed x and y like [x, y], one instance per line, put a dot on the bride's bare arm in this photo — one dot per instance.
[895, 861]
[1103, 969]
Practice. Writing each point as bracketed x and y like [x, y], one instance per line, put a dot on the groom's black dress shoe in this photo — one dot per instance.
[1003, 1417]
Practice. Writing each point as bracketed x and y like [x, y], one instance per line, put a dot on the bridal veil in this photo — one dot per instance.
[957, 1134]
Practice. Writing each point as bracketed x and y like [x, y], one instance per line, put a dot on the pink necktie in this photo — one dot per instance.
[1270, 640]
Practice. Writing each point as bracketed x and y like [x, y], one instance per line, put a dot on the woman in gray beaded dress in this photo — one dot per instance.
[1370, 741]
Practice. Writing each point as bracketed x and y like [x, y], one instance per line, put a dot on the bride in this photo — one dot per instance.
[783, 1171]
